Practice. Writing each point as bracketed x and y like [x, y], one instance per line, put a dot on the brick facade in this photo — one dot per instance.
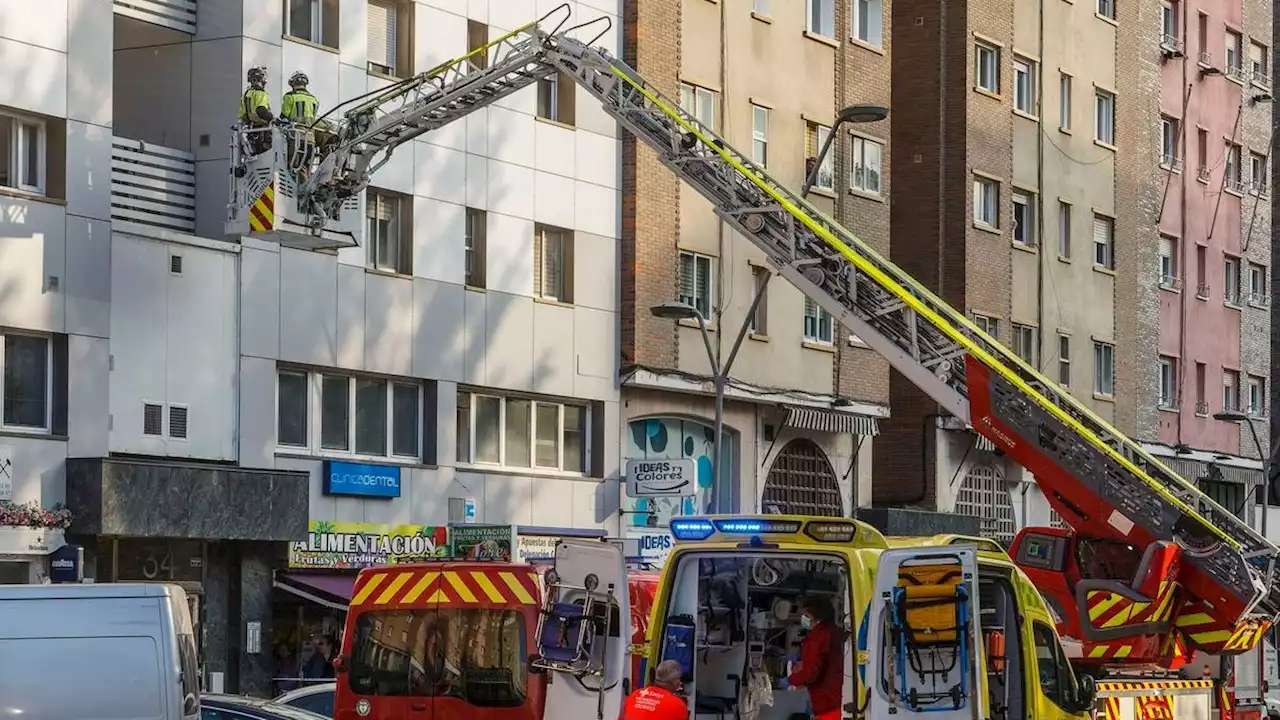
[862, 76]
[650, 194]
[1139, 185]
[931, 181]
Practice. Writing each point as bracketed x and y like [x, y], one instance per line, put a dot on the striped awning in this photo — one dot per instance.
[982, 443]
[830, 421]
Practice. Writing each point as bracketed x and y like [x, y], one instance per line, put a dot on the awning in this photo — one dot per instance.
[331, 591]
[982, 443]
[830, 421]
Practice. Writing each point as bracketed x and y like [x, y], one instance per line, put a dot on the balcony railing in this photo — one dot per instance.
[177, 14]
[153, 185]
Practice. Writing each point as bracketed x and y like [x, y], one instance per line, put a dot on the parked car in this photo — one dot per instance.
[240, 707]
[316, 698]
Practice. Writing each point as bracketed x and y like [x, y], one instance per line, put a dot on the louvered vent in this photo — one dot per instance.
[175, 264]
[177, 422]
[152, 419]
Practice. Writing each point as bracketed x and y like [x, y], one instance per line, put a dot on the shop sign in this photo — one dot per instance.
[482, 542]
[361, 479]
[661, 478]
[536, 548]
[66, 564]
[358, 545]
[6, 474]
[653, 545]
[30, 541]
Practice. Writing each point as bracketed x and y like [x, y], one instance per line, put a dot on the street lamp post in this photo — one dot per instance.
[719, 372]
[860, 113]
[1238, 417]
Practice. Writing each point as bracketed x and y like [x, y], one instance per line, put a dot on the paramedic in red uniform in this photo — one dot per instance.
[658, 701]
[821, 666]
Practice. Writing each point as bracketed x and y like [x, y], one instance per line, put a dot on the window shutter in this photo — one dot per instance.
[382, 34]
[1166, 247]
[1101, 230]
[538, 251]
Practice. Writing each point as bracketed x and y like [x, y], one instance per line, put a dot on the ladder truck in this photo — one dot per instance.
[1220, 593]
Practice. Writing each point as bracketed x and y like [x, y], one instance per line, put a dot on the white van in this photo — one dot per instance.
[97, 652]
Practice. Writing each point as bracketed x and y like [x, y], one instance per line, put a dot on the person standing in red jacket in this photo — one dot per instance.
[660, 700]
[821, 666]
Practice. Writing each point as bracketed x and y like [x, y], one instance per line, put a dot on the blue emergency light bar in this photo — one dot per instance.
[702, 528]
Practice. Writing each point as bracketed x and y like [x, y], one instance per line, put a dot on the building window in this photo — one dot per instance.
[1104, 104]
[522, 432]
[817, 323]
[760, 318]
[1064, 360]
[1230, 390]
[26, 382]
[1024, 86]
[1168, 382]
[986, 202]
[359, 415]
[1168, 262]
[988, 325]
[1104, 238]
[1107, 8]
[1232, 170]
[1231, 280]
[1233, 59]
[1169, 23]
[1257, 284]
[868, 157]
[700, 103]
[389, 231]
[556, 98]
[983, 494]
[760, 135]
[1064, 101]
[1168, 142]
[1259, 65]
[1257, 395]
[1064, 229]
[389, 27]
[1202, 272]
[22, 154]
[697, 278]
[820, 17]
[986, 67]
[315, 21]
[1026, 345]
[1104, 369]
[815, 136]
[1024, 218]
[1202, 403]
[1259, 182]
[1202, 154]
[478, 37]
[474, 239]
[868, 22]
[553, 263]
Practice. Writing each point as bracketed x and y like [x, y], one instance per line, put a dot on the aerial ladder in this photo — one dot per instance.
[1103, 484]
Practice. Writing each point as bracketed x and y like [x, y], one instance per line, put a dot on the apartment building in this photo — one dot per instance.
[1215, 221]
[1037, 143]
[257, 421]
[803, 398]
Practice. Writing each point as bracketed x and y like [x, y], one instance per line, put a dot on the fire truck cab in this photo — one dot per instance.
[440, 641]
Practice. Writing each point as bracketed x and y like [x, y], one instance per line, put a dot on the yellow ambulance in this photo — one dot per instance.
[945, 626]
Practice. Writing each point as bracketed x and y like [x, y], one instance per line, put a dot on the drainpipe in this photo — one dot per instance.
[926, 437]
[1184, 264]
[1040, 258]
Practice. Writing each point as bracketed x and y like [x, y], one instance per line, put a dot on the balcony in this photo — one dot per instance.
[153, 185]
[179, 15]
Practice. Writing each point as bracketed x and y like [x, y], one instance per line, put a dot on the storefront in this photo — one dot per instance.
[217, 531]
[310, 597]
[24, 553]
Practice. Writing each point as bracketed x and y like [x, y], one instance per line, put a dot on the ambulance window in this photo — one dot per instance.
[1051, 664]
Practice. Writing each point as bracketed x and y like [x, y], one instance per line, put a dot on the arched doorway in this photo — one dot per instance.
[983, 495]
[801, 481]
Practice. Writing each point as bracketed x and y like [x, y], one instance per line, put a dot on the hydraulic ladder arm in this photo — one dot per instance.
[1102, 482]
